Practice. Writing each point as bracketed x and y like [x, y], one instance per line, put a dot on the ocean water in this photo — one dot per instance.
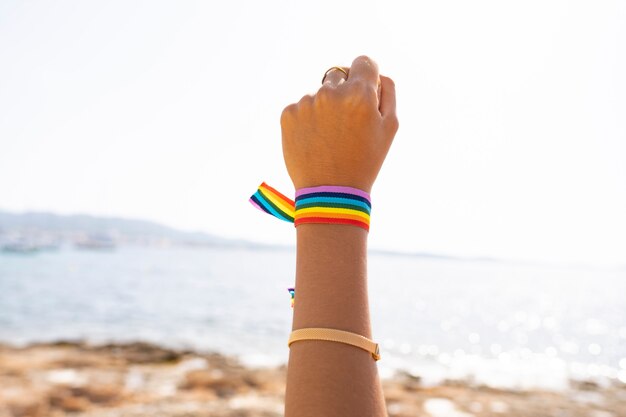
[501, 324]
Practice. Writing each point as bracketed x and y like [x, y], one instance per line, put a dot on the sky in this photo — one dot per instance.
[512, 139]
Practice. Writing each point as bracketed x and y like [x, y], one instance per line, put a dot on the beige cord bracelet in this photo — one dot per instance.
[333, 335]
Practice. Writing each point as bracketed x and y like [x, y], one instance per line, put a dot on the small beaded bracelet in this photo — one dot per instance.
[292, 295]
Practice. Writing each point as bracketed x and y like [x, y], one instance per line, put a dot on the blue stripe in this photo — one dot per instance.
[339, 200]
[272, 204]
[335, 195]
[260, 204]
[269, 208]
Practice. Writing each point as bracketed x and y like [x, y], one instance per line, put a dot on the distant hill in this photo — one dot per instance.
[22, 231]
[65, 227]
[37, 228]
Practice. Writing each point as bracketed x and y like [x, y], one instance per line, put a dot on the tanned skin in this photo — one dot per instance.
[338, 136]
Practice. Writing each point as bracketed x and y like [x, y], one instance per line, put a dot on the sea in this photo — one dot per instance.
[501, 324]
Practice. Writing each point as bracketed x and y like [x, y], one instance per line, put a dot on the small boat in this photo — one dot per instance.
[20, 247]
[96, 242]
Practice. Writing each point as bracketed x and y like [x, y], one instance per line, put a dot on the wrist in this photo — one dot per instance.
[336, 180]
[330, 232]
[326, 204]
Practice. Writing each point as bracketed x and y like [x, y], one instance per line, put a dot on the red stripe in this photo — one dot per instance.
[282, 197]
[323, 215]
[302, 220]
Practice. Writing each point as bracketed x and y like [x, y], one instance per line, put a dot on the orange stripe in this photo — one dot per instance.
[330, 216]
[278, 195]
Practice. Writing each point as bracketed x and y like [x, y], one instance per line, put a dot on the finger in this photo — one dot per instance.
[365, 69]
[387, 105]
[335, 76]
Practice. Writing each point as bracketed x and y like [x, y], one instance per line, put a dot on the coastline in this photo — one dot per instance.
[138, 379]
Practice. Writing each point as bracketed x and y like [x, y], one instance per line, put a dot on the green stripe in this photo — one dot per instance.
[333, 205]
[274, 206]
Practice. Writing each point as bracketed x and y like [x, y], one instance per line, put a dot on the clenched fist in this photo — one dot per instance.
[341, 135]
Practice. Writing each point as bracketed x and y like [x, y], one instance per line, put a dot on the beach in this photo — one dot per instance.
[169, 332]
[138, 379]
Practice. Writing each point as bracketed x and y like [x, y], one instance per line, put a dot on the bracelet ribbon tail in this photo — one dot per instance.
[272, 202]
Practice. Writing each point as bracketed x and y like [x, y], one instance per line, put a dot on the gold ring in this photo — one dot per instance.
[334, 68]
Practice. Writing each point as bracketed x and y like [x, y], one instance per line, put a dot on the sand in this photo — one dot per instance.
[139, 379]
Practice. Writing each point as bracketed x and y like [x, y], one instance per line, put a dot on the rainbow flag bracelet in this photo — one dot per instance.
[324, 204]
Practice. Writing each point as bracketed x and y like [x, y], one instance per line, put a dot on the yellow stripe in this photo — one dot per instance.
[277, 201]
[331, 210]
[332, 216]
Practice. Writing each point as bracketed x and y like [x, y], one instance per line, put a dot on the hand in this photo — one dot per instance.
[341, 135]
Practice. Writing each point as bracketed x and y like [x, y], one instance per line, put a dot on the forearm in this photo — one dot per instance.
[329, 378]
[337, 138]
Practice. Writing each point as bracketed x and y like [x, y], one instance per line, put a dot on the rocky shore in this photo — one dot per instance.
[138, 379]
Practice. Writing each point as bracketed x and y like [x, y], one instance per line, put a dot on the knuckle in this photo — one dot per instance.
[390, 83]
[287, 114]
[325, 93]
[291, 111]
[393, 124]
[306, 100]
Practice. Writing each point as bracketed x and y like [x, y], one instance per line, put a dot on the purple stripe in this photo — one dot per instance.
[333, 189]
[256, 205]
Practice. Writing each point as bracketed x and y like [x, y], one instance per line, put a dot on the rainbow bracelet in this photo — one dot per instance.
[333, 204]
[324, 204]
